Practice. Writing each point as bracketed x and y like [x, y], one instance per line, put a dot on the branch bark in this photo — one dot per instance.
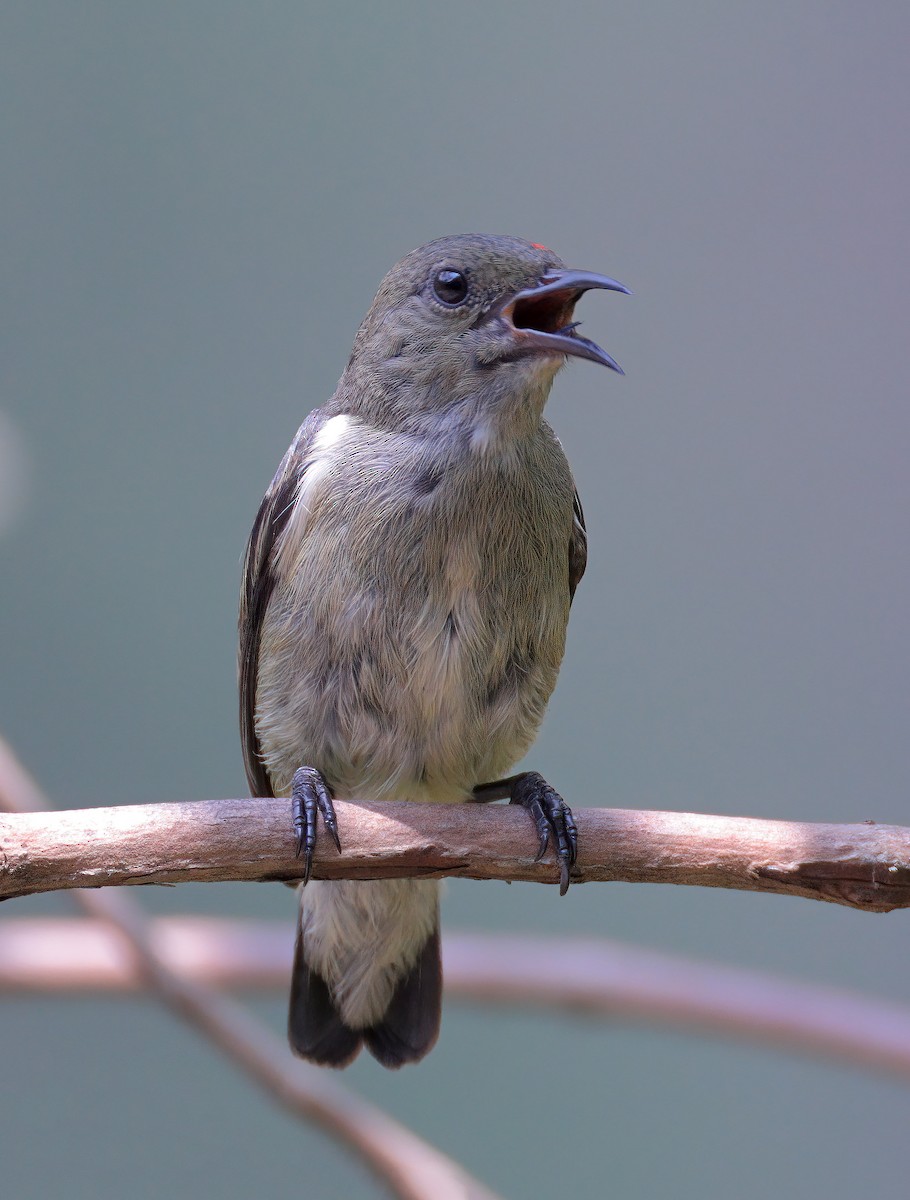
[865, 866]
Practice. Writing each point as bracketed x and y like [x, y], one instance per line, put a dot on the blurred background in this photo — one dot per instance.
[198, 203]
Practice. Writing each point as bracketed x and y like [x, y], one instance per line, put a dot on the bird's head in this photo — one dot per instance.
[473, 315]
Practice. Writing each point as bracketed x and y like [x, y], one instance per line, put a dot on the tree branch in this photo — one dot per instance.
[594, 977]
[864, 866]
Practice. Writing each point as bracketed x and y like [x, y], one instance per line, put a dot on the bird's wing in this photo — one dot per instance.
[258, 584]
[578, 546]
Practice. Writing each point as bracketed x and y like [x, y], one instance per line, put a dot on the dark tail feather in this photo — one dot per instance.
[410, 1026]
[315, 1030]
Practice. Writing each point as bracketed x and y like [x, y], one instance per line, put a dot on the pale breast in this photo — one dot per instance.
[417, 629]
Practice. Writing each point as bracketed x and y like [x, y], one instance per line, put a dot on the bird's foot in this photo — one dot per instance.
[310, 794]
[552, 816]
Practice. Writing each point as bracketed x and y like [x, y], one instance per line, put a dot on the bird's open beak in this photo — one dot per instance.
[540, 318]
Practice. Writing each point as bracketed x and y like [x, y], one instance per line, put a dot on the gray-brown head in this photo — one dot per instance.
[469, 319]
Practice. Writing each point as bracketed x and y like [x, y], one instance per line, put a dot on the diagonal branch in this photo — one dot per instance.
[865, 866]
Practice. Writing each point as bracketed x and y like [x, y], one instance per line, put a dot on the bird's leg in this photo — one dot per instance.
[551, 815]
[310, 794]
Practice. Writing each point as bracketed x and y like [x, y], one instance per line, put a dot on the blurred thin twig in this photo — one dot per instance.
[587, 976]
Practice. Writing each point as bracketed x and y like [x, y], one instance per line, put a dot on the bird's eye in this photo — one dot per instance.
[450, 286]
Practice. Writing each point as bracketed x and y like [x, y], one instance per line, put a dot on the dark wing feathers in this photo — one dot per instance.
[258, 584]
[578, 546]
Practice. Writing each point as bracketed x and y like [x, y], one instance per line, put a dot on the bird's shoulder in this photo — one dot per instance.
[578, 536]
[578, 545]
[259, 579]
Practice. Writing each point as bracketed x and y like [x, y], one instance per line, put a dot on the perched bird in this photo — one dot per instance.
[403, 615]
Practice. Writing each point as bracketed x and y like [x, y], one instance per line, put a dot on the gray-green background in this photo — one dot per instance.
[198, 201]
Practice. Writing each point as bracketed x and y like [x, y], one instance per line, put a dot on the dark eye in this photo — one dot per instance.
[450, 286]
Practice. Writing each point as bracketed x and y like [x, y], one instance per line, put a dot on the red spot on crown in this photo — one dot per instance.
[538, 246]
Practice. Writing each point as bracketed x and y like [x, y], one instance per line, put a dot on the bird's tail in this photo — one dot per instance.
[366, 970]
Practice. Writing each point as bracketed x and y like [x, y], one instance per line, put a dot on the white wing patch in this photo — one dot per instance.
[326, 451]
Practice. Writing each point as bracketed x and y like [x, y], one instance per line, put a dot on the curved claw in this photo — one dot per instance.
[535, 808]
[552, 817]
[310, 794]
[563, 877]
[571, 834]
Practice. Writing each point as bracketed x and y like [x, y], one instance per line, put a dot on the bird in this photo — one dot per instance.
[404, 604]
